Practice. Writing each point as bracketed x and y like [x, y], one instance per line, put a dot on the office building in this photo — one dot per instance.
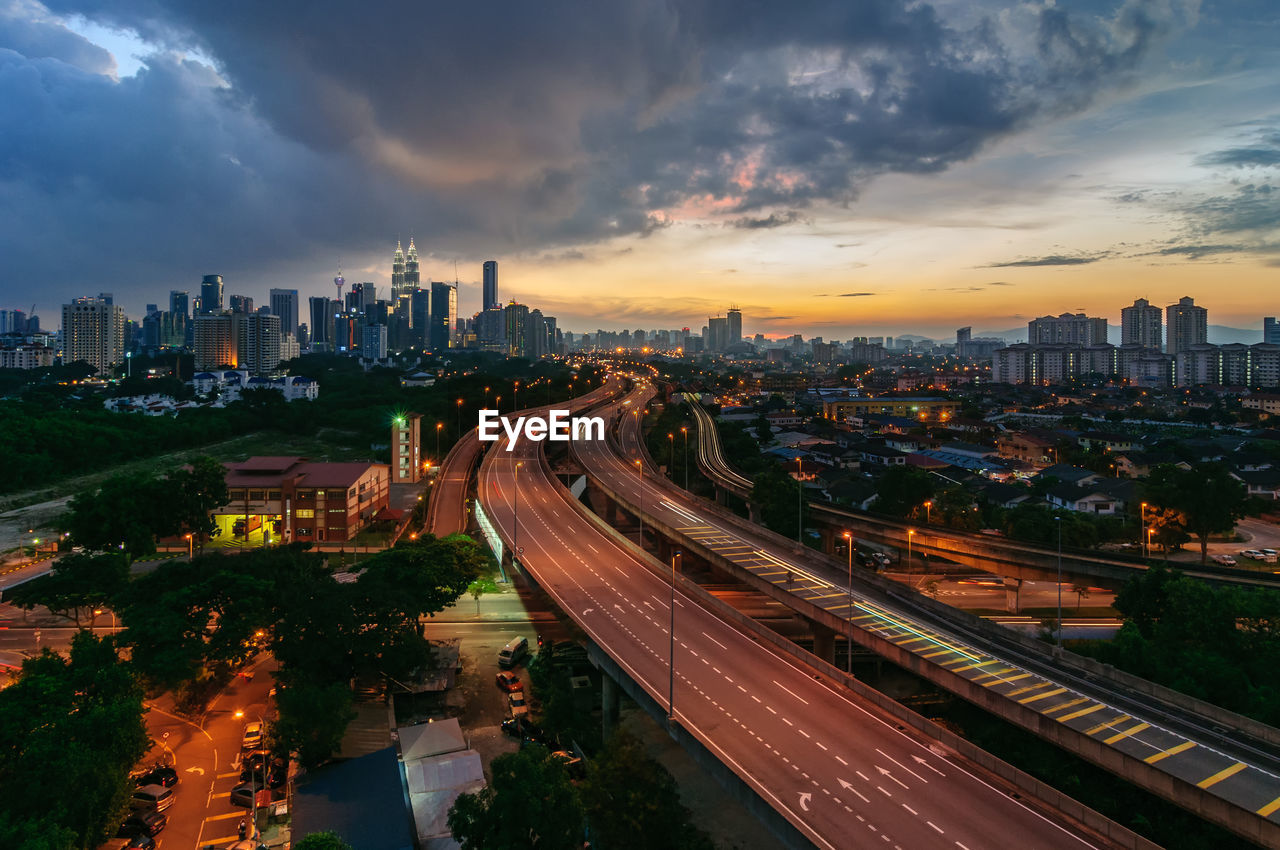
[444, 315]
[178, 303]
[211, 294]
[491, 331]
[284, 303]
[490, 285]
[420, 318]
[213, 341]
[406, 449]
[1067, 329]
[294, 500]
[717, 334]
[1187, 325]
[241, 304]
[1271, 331]
[734, 318]
[412, 278]
[320, 327]
[517, 329]
[397, 269]
[93, 330]
[373, 342]
[1142, 325]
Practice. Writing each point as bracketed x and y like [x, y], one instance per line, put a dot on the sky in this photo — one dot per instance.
[833, 168]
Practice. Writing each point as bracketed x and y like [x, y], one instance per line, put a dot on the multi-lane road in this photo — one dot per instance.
[840, 773]
[1174, 743]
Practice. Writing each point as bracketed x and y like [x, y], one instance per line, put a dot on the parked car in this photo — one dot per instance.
[1252, 553]
[147, 824]
[1268, 555]
[158, 774]
[152, 798]
[253, 765]
[517, 703]
[509, 681]
[1224, 560]
[252, 738]
[524, 729]
[242, 794]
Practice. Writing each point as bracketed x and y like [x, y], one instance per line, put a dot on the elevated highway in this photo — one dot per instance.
[835, 769]
[1222, 766]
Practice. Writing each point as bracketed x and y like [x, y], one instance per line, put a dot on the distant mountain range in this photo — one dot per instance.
[1218, 334]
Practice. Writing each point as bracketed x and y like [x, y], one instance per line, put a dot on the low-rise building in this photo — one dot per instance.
[1026, 447]
[290, 499]
[913, 407]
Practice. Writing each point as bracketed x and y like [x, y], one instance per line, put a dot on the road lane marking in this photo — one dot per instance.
[225, 817]
[1270, 808]
[793, 693]
[1113, 722]
[1043, 695]
[1081, 713]
[1221, 775]
[1133, 730]
[1068, 704]
[1014, 693]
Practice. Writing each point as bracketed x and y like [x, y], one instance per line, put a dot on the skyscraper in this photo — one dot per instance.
[241, 304]
[1188, 325]
[93, 331]
[321, 324]
[213, 341]
[490, 285]
[178, 302]
[420, 317]
[397, 270]
[1141, 325]
[517, 324]
[735, 327]
[211, 294]
[444, 314]
[284, 303]
[411, 277]
[1271, 330]
[257, 342]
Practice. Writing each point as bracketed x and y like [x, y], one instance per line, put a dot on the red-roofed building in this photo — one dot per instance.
[290, 499]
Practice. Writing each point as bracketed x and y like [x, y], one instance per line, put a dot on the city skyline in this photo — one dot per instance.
[1003, 162]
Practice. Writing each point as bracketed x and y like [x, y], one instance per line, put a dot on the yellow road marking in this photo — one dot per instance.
[1112, 722]
[1173, 751]
[1081, 713]
[1063, 705]
[994, 673]
[217, 796]
[774, 573]
[975, 664]
[828, 595]
[225, 775]
[1044, 695]
[912, 640]
[1132, 730]
[995, 682]
[1270, 808]
[1014, 693]
[935, 653]
[1221, 775]
[225, 817]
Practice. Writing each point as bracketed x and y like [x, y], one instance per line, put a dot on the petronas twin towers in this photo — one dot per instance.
[404, 271]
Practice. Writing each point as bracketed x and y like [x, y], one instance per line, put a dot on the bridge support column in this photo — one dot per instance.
[824, 643]
[664, 549]
[722, 496]
[1012, 587]
[753, 512]
[828, 541]
[609, 705]
[610, 511]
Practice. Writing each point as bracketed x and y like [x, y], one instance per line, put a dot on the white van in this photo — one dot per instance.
[515, 651]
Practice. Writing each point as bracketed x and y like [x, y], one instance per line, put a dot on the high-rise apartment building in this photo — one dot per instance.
[717, 334]
[211, 294]
[178, 303]
[284, 303]
[241, 304]
[444, 314]
[213, 341]
[490, 285]
[1271, 331]
[1142, 325]
[1188, 325]
[1067, 329]
[258, 341]
[93, 330]
[373, 342]
[406, 449]
[516, 318]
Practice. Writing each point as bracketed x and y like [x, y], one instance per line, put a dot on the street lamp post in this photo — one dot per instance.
[515, 535]
[910, 533]
[684, 429]
[928, 511]
[799, 502]
[486, 396]
[190, 549]
[640, 478]
[671, 662]
[1058, 520]
[671, 454]
[848, 536]
[1146, 552]
[459, 419]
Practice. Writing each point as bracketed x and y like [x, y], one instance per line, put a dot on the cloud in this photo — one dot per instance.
[843, 294]
[324, 128]
[1263, 153]
[1051, 260]
[1001, 283]
[770, 221]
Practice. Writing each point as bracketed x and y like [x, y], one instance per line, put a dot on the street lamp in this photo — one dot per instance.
[190, 549]
[684, 429]
[848, 536]
[515, 536]
[799, 501]
[1146, 552]
[459, 419]
[1058, 520]
[486, 396]
[671, 662]
[928, 511]
[671, 455]
[640, 478]
[439, 427]
[911, 532]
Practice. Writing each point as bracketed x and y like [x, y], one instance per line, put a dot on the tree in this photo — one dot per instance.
[71, 729]
[322, 841]
[778, 495]
[903, 489]
[312, 718]
[193, 493]
[76, 584]
[764, 431]
[121, 514]
[480, 587]
[632, 801]
[1207, 497]
[529, 803]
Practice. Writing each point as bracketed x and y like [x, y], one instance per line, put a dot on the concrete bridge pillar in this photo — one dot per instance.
[609, 705]
[664, 549]
[722, 496]
[824, 642]
[828, 540]
[753, 512]
[1012, 586]
[611, 511]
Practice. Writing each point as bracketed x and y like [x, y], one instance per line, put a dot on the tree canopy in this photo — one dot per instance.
[530, 802]
[1203, 500]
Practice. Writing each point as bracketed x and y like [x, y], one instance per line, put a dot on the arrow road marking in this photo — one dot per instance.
[804, 801]
[903, 766]
[884, 772]
[196, 770]
[919, 760]
[846, 786]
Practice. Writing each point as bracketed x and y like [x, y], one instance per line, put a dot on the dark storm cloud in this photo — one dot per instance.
[777, 219]
[495, 128]
[1052, 260]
